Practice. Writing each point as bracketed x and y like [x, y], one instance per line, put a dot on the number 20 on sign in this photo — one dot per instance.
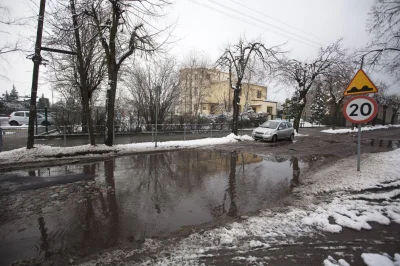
[360, 109]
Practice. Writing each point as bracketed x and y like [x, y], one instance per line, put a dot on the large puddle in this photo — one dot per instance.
[76, 210]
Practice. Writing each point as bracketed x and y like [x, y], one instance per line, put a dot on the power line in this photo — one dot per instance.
[284, 23]
[248, 22]
[266, 23]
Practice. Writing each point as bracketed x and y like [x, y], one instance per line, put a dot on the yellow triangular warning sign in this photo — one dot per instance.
[360, 84]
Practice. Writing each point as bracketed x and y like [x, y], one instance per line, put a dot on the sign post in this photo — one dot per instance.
[360, 109]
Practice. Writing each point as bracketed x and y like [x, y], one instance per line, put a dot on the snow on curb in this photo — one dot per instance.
[39, 152]
[349, 130]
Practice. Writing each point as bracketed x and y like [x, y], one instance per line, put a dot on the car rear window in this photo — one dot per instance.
[19, 114]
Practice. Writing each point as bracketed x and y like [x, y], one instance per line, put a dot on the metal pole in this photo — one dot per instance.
[1, 139]
[37, 58]
[65, 136]
[211, 125]
[156, 126]
[45, 119]
[359, 148]
[184, 131]
[158, 92]
[152, 133]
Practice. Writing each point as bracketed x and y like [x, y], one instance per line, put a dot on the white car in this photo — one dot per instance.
[22, 118]
[273, 130]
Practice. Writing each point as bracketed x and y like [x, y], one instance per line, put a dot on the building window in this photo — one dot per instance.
[204, 107]
[208, 76]
[196, 76]
[269, 110]
[258, 94]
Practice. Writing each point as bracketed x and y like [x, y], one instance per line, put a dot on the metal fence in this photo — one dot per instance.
[13, 137]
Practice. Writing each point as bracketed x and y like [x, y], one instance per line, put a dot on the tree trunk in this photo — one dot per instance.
[82, 75]
[297, 118]
[392, 120]
[235, 116]
[334, 116]
[384, 115]
[110, 105]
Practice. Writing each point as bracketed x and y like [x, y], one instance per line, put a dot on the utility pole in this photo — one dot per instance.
[37, 59]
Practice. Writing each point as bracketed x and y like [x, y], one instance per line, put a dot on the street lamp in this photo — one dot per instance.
[158, 92]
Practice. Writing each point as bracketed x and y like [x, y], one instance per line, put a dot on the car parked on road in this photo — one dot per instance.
[22, 118]
[273, 130]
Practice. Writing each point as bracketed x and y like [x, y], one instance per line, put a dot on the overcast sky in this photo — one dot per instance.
[207, 26]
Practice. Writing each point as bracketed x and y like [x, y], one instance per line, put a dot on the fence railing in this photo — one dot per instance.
[14, 137]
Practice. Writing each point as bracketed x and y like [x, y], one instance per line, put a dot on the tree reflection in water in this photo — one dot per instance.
[113, 219]
[232, 185]
[296, 172]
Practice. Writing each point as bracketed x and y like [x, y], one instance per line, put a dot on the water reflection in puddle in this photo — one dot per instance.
[384, 143]
[131, 198]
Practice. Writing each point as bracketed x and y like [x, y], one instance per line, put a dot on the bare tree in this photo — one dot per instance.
[194, 83]
[384, 23]
[381, 99]
[304, 74]
[86, 70]
[254, 74]
[336, 82]
[142, 82]
[236, 59]
[123, 29]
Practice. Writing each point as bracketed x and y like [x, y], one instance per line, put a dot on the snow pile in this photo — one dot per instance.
[299, 135]
[39, 152]
[332, 262]
[372, 259]
[308, 124]
[375, 169]
[348, 130]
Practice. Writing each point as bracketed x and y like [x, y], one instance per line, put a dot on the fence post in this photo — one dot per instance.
[1, 139]
[152, 133]
[211, 125]
[184, 131]
[65, 136]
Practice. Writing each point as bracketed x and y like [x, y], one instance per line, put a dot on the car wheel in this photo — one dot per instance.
[291, 137]
[14, 123]
[274, 138]
[44, 123]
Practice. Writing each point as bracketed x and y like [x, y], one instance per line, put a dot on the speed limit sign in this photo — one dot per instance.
[360, 109]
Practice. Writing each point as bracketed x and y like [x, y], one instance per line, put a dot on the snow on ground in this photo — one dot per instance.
[41, 152]
[349, 130]
[345, 192]
[308, 124]
[299, 135]
[332, 262]
[372, 259]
